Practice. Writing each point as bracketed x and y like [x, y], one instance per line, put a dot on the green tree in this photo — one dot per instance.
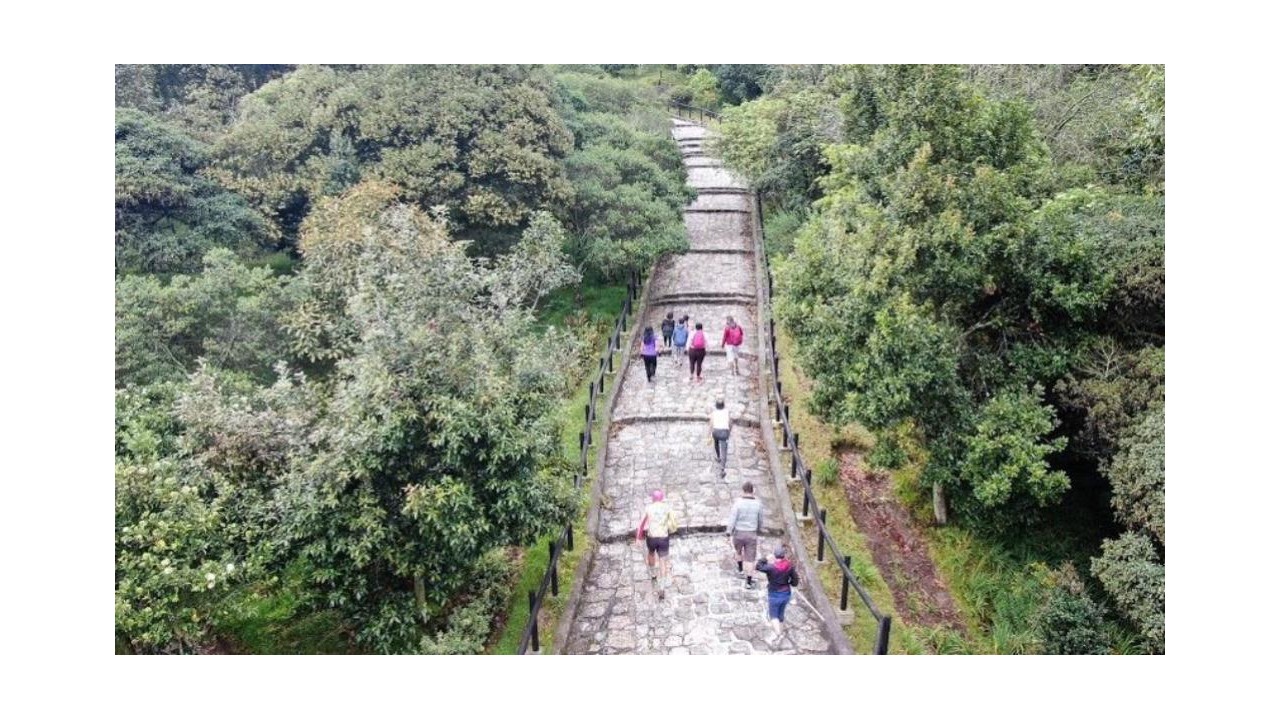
[740, 83]
[483, 141]
[704, 89]
[1006, 458]
[168, 214]
[229, 314]
[438, 443]
[195, 464]
[627, 176]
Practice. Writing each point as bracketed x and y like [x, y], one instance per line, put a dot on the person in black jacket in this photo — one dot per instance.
[668, 327]
[782, 577]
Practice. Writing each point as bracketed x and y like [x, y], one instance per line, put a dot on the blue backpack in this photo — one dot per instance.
[681, 335]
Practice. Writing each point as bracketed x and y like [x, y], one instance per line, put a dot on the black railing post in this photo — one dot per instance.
[615, 335]
[602, 372]
[844, 584]
[533, 618]
[568, 537]
[793, 456]
[555, 576]
[582, 442]
[882, 636]
[587, 432]
[777, 410]
[822, 525]
[804, 513]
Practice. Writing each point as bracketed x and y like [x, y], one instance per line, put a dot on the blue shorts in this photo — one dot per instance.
[778, 604]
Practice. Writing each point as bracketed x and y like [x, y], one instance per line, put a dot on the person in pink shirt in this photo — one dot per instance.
[697, 351]
[731, 341]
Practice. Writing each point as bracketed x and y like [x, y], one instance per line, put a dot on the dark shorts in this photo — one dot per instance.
[778, 604]
[746, 543]
[660, 545]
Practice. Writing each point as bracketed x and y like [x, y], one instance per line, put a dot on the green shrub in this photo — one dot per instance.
[1132, 574]
[889, 453]
[780, 228]
[1070, 622]
[468, 627]
[827, 472]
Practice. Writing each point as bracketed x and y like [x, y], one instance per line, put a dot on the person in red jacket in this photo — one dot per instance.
[731, 341]
[782, 577]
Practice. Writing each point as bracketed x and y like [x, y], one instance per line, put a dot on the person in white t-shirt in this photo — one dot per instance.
[720, 425]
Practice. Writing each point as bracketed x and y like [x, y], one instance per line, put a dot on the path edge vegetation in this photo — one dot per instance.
[536, 557]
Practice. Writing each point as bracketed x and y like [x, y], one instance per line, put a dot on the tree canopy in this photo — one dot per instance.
[983, 266]
[377, 415]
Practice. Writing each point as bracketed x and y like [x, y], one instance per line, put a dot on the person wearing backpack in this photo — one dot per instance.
[782, 577]
[680, 338]
[656, 527]
[745, 523]
[668, 327]
[731, 341]
[649, 353]
[697, 351]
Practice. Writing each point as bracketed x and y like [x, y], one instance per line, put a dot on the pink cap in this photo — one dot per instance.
[657, 495]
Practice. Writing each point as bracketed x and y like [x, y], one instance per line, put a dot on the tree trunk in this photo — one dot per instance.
[420, 596]
[939, 504]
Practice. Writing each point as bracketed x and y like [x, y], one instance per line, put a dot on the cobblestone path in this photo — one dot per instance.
[659, 438]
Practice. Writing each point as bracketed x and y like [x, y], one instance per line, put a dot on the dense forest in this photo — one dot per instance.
[336, 400]
[339, 377]
[971, 260]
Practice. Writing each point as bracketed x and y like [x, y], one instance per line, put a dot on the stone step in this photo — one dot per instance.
[705, 609]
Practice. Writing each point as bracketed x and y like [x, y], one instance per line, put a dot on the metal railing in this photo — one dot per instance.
[801, 470]
[529, 639]
[687, 112]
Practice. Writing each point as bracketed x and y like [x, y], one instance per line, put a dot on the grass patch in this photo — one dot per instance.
[274, 620]
[1000, 581]
[595, 301]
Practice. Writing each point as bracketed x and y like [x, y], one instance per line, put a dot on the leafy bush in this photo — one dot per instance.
[1070, 622]
[469, 625]
[1005, 459]
[780, 229]
[1137, 475]
[1133, 576]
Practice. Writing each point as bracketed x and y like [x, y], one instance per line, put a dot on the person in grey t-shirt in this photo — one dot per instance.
[745, 522]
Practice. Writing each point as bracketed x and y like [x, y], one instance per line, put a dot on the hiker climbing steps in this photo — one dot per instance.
[659, 439]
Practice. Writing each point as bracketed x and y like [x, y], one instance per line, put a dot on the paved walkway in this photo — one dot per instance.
[659, 438]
